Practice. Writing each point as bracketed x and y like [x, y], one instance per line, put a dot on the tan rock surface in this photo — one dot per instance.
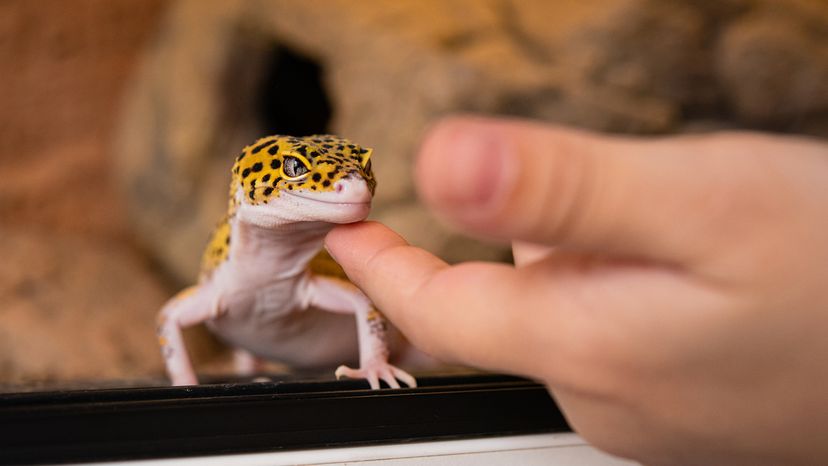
[773, 65]
[62, 69]
[74, 308]
[77, 299]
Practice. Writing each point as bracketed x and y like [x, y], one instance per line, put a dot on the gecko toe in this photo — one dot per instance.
[404, 377]
[344, 371]
[374, 373]
[388, 377]
[373, 381]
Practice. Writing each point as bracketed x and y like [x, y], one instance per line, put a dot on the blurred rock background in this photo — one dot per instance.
[77, 296]
[120, 120]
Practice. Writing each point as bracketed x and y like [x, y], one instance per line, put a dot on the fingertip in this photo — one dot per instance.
[351, 244]
[348, 232]
[383, 265]
[463, 163]
[377, 259]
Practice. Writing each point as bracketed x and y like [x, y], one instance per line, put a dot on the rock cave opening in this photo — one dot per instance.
[293, 99]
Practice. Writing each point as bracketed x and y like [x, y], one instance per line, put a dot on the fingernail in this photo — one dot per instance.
[471, 167]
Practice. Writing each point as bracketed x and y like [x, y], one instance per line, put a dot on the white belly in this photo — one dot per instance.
[273, 321]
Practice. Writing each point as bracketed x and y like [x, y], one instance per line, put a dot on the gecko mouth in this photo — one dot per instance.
[322, 201]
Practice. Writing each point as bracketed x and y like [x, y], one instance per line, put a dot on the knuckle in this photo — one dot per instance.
[561, 188]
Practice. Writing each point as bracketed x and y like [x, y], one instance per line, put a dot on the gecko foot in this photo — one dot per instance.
[376, 371]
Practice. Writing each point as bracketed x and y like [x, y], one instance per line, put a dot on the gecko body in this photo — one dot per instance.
[265, 285]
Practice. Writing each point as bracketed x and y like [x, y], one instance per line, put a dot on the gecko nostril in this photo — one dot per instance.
[339, 186]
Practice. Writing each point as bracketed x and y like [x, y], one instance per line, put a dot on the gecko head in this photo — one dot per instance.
[281, 179]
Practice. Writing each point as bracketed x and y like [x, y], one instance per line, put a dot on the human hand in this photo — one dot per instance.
[681, 316]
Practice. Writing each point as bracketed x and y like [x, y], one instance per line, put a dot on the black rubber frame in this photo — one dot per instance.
[163, 422]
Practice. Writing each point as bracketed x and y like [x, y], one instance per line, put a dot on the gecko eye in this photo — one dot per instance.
[293, 167]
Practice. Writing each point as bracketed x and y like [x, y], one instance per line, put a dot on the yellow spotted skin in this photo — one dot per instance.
[218, 248]
[274, 164]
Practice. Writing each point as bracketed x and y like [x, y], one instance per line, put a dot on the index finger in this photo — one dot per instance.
[468, 313]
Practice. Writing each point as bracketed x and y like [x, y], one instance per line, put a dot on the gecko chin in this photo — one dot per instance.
[348, 200]
[301, 206]
[313, 207]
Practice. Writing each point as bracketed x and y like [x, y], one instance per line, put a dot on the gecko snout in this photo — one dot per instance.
[352, 189]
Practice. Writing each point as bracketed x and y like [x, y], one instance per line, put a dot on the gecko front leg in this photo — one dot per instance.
[189, 307]
[373, 353]
[336, 295]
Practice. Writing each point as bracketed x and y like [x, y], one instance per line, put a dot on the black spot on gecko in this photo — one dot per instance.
[261, 146]
[252, 194]
[326, 183]
[266, 178]
[257, 167]
[245, 173]
[276, 181]
[332, 174]
[316, 177]
[275, 164]
[302, 150]
[273, 150]
[268, 190]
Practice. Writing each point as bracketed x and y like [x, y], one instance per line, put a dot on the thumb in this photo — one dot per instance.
[514, 180]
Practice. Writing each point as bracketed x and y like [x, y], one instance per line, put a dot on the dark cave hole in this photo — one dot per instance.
[293, 100]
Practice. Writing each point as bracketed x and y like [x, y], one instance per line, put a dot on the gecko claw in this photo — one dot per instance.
[340, 371]
[373, 373]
